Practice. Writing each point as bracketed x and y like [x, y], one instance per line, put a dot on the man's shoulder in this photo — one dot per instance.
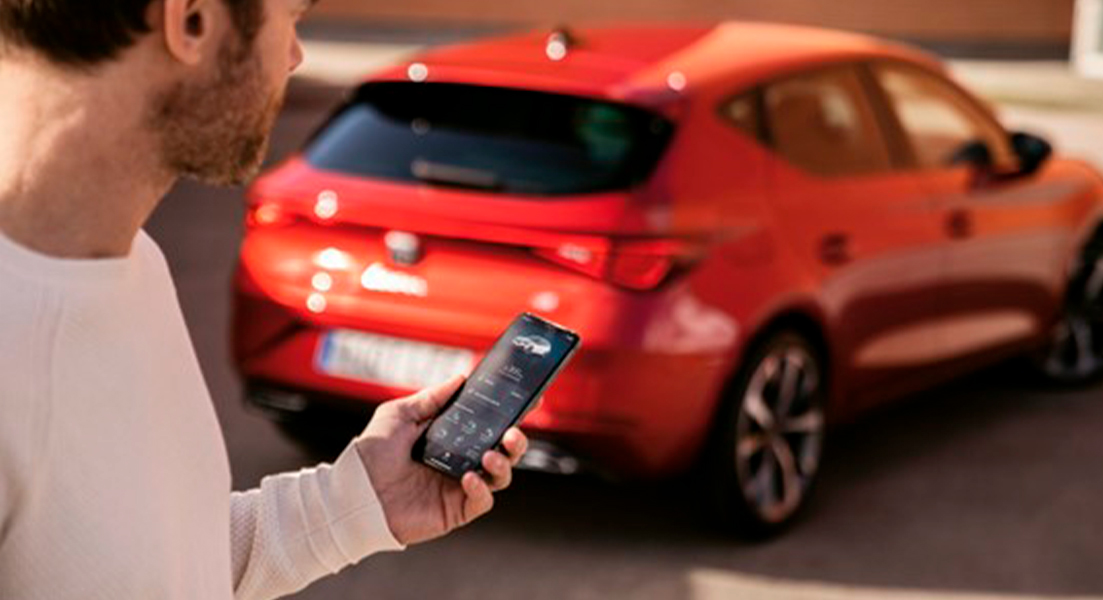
[148, 253]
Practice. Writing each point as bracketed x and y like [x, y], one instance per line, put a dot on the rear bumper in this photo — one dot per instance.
[631, 402]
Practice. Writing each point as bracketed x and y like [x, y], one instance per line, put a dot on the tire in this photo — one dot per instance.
[768, 443]
[1073, 355]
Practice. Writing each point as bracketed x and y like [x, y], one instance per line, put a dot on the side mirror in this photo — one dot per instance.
[975, 154]
[1032, 151]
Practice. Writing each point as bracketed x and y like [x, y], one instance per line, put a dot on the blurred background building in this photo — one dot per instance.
[975, 28]
[1088, 38]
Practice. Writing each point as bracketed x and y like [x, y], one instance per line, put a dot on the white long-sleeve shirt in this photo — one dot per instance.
[114, 477]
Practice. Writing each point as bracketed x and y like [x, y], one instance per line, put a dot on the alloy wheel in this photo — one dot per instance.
[1075, 350]
[779, 433]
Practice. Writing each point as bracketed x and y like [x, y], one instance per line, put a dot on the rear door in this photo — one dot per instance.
[1004, 238]
[865, 230]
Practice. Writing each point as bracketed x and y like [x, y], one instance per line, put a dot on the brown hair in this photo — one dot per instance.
[83, 33]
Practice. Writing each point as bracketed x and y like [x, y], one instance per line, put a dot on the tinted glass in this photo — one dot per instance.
[743, 113]
[823, 123]
[491, 139]
[937, 118]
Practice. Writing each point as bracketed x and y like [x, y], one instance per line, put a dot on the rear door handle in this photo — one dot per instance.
[959, 224]
[835, 249]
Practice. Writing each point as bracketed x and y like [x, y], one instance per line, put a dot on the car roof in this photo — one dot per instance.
[614, 61]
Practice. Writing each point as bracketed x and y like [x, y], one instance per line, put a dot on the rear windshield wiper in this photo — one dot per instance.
[452, 175]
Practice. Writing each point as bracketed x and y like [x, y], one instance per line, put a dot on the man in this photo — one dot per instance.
[114, 480]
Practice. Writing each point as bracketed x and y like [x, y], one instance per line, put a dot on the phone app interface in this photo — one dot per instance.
[497, 392]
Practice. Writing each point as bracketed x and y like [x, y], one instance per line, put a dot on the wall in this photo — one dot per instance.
[1008, 22]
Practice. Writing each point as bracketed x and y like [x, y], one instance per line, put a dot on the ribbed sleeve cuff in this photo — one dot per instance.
[305, 526]
[362, 529]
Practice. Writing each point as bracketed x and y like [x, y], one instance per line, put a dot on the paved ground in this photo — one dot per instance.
[985, 489]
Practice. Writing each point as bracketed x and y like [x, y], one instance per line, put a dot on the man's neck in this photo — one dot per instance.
[79, 171]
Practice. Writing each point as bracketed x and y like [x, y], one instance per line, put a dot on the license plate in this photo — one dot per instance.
[389, 361]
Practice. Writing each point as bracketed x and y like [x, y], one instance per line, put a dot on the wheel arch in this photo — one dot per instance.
[1090, 219]
[1092, 234]
[1088, 236]
[803, 318]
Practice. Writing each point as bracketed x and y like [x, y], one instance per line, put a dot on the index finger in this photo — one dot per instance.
[427, 403]
[515, 443]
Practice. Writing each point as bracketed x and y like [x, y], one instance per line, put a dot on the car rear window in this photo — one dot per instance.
[492, 139]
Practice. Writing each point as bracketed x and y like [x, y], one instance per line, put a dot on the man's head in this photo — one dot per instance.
[213, 72]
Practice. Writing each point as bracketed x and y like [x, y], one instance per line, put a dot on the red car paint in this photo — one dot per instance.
[904, 277]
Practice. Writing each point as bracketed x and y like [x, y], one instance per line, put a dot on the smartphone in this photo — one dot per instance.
[502, 389]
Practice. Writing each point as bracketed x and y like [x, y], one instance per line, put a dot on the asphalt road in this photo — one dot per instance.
[986, 488]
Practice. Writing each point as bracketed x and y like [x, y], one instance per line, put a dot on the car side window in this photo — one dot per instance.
[744, 113]
[938, 119]
[823, 122]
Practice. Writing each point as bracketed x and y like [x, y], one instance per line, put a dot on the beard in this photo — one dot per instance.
[216, 130]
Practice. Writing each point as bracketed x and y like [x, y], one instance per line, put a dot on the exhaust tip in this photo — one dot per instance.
[277, 401]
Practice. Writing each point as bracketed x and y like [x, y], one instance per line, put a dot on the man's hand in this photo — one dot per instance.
[420, 503]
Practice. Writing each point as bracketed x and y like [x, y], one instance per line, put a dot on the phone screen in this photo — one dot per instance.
[506, 383]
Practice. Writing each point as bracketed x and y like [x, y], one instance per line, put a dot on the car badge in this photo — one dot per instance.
[404, 249]
[378, 278]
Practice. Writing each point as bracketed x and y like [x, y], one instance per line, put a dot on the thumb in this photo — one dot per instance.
[425, 404]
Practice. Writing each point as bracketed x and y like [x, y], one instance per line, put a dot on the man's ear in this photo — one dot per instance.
[187, 25]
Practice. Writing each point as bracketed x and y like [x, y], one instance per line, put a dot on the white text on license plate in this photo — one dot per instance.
[389, 361]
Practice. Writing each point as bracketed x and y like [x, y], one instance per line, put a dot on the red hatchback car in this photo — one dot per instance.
[756, 229]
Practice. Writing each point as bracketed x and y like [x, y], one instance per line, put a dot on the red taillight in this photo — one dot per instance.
[636, 265]
[640, 271]
[591, 260]
[267, 214]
